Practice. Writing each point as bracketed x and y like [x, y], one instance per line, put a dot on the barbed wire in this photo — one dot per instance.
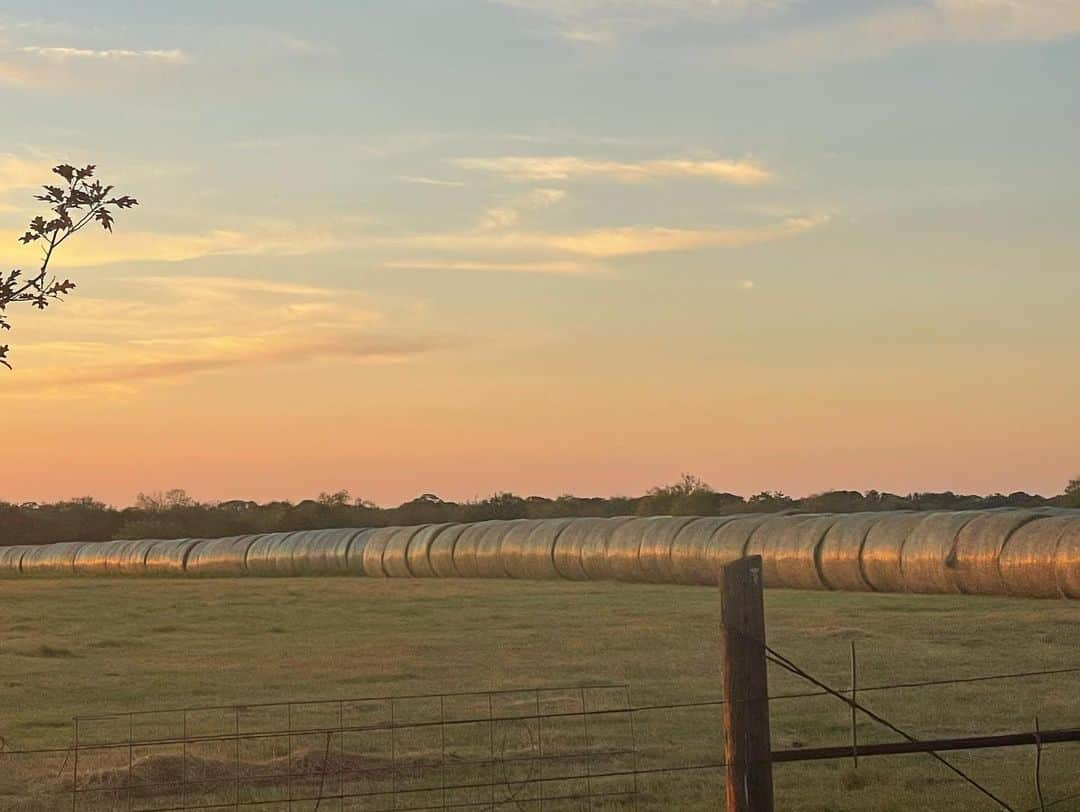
[122, 743]
[787, 664]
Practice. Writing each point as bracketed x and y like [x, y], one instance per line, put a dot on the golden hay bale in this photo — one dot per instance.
[1067, 561]
[583, 539]
[169, 557]
[689, 551]
[775, 533]
[621, 560]
[51, 559]
[654, 554]
[417, 556]
[224, 557]
[489, 548]
[594, 550]
[731, 542]
[465, 550]
[927, 558]
[1027, 560]
[794, 555]
[271, 554]
[132, 560]
[441, 551]
[976, 556]
[10, 559]
[322, 552]
[99, 557]
[374, 544]
[840, 553]
[354, 555]
[395, 563]
[528, 550]
[883, 548]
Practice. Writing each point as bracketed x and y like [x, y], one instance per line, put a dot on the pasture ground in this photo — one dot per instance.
[87, 645]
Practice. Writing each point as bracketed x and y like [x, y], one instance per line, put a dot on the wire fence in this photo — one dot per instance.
[550, 748]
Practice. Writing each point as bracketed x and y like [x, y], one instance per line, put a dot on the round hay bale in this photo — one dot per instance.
[118, 555]
[467, 544]
[795, 555]
[883, 548]
[1027, 560]
[489, 547]
[374, 546]
[395, 554]
[977, 554]
[654, 554]
[581, 546]
[774, 534]
[1067, 561]
[512, 545]
[441, 551]
[689, 551]
[416, 557]
[731, 542]
[271, 554]
[51, 559]
[132, 560]
[840, 553]
[621, 560]
[927, 558]
[322, 552]
[99, 557]
[169, 557]
[354, 554]
[465, 548]
[219, 558]
[536, 558]
[11, 558]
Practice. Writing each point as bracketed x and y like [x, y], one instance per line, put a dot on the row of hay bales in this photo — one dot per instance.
[1032, 553]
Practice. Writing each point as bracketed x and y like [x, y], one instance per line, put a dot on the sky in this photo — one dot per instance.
[547, 246]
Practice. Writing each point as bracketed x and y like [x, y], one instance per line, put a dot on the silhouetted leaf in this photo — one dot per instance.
[83, 201]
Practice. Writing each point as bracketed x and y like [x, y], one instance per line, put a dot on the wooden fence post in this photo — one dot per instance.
[747, 748]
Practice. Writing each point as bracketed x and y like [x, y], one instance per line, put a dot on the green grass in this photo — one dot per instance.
[92, 645]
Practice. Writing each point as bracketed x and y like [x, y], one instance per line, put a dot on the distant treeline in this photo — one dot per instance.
[174, 514]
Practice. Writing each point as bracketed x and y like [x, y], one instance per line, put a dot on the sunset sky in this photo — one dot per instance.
[548, 246]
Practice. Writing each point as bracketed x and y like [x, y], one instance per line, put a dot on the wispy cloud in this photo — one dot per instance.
[220, 353]
[621, 242]
[603, 22]
[500, 217]
[229, 287]
[17, 173]
[645, 12]
[611, 243]
[48, 66]
[588, 37]
[977, 20]
[266, 239]
[109, 54]
[914, 24]
[423, 180]
[566, 167]
[171, 327]
[557, 268]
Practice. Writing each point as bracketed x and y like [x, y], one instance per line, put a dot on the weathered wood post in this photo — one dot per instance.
[747, 748]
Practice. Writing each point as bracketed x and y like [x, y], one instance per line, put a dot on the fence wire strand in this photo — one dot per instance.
[788, 665]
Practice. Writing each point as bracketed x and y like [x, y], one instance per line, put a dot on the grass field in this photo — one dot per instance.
[78, 646]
